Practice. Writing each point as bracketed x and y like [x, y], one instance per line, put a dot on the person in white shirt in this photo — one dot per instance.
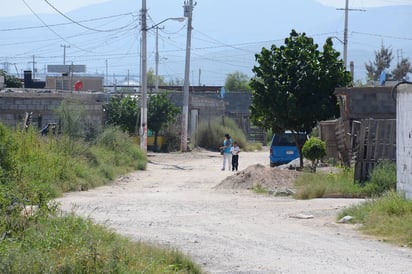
[234, 150]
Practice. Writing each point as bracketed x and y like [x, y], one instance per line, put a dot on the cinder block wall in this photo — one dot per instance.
[366, 102]
[14, 105]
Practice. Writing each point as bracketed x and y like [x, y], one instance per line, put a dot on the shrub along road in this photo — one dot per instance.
[174, 204]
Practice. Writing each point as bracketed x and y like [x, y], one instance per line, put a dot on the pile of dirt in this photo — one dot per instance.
[271, 179]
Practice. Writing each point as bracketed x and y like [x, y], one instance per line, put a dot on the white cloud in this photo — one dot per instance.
[18, 7]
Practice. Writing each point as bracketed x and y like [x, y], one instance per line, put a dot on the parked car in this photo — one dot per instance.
[283, 148]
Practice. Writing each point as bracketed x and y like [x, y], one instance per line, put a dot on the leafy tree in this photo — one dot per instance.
[401, 70]
[383, 59]
[122, 111]
[151, 79]
[237, 81]
[314, 149]
[161, 112]
[294, 84]
[11, 81]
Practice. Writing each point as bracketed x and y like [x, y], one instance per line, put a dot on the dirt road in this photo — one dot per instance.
[174, 203]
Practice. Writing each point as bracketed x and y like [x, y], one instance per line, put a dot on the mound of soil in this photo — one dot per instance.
[271, 179]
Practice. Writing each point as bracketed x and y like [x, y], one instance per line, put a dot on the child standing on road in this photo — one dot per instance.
[235, 156]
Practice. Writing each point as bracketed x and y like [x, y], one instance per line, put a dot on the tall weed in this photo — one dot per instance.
[72, 245]
[35, 170]
[318, 185]
[389, 217]
[211, 133]
[382, 179]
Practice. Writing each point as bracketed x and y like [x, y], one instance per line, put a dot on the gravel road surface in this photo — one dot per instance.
[174, 203]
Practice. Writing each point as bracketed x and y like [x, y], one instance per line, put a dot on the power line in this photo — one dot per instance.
[63, 24]
[224, 44]
[44, 23]
[78, 23]
[383, 36]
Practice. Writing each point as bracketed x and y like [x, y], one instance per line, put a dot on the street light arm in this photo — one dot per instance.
[179, 19]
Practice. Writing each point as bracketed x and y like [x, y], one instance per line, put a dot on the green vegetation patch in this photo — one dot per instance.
[36, 169]
[259, 189]
[332, 184]
[73, 245]
[342, 184]
[388, 217]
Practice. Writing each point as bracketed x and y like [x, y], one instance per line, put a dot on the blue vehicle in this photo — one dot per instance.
[283, 148]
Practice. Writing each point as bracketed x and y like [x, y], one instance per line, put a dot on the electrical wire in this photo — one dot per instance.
[221, 43]
[63, 24]
[41, 20]
[78, 23]
[383, 36]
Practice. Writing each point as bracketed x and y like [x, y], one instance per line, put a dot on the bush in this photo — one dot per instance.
[253, 147]
[314, 149]
[382, 179]
[210, 134]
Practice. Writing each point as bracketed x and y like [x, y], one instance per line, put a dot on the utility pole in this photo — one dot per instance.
[34, 66]
[64, 52]
[188, 12]
[157, 59]
[345, 36]
[17, 71]
[143, 109]
[180, 19]
[399, 55]
[345, 32]
[107, 73]
[143, 67]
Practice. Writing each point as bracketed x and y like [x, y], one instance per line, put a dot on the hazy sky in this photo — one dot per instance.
[18, 7]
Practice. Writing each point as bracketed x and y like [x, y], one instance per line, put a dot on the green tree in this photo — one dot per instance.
[151, 79]
[237, 81]
[294, 84]
[401, 70]
[11, 81]
[122, 111]
[161, 112]
[383, 59]
[314, 149]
